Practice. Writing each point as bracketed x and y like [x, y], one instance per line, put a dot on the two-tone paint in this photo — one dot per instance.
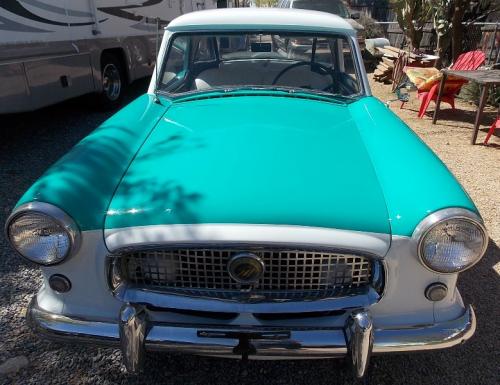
[159, 173]
[252, 167]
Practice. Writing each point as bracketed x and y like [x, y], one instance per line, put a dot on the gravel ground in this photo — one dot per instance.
[31, 142]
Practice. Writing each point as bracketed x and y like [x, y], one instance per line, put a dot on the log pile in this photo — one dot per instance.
[385, 68]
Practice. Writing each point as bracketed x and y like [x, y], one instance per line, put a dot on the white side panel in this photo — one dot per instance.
[89, 296]
[404, 301]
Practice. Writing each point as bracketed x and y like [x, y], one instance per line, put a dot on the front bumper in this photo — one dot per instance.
[359, 339]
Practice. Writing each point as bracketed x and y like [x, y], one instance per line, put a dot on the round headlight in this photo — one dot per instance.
[451, 240]
[42, 233]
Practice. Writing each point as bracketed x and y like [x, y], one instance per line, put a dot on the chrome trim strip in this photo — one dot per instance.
[61, 328]
[185, 302]
[305, 343]
[441, 335]
[255, 246]
[314, 343]
[429, 222]
[361, 72]
[53, 212]
[158, 235]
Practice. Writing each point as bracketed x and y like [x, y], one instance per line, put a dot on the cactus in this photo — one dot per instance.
[412, 16]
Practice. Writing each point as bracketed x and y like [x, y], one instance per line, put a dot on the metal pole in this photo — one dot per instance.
[157, 66]
[498, 50]
[493, 41]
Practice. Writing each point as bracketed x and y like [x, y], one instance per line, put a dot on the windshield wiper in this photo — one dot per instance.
[301, 92]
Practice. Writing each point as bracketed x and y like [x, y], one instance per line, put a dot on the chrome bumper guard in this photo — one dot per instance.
[358, 339]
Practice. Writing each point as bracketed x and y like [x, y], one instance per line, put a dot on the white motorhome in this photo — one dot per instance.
[52, 50]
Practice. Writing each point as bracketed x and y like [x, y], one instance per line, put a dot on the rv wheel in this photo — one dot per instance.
[113, 81]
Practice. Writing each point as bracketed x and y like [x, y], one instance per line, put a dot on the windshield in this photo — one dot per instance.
[310, 63]
[331, 6]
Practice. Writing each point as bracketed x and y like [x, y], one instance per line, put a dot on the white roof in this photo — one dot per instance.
[269, 19]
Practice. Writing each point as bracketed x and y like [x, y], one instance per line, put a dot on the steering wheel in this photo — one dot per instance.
[318, 68]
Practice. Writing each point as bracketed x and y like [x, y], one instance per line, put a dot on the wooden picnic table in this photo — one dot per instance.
[485, 79]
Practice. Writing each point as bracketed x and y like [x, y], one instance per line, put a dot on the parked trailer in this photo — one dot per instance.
[53, 50]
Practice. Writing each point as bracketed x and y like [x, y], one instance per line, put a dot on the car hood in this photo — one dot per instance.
[252, 160]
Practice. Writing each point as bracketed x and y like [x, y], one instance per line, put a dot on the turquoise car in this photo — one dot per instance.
[257, 202]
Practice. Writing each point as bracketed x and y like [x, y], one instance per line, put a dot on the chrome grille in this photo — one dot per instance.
[289, 274]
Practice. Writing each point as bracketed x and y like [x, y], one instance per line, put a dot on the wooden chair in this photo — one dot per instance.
[428, 90]
[398, 74]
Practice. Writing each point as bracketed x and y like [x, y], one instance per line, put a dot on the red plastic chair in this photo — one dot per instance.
[468, 61]
[496, 124]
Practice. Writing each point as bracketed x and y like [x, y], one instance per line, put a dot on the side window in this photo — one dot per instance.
[204, 50]
[231, 45]
[346, 58]
[301, 48]
[176, 64]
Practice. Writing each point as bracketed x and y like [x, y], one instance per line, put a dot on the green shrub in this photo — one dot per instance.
[471, 93]
[372, 29]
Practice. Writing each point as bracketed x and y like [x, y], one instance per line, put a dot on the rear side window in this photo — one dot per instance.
[204, 51]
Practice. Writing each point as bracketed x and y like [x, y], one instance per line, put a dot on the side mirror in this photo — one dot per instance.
[355, 15]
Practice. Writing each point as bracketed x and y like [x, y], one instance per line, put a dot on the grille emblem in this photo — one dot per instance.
[245, 268]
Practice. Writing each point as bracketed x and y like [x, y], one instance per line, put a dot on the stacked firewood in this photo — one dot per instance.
[385, 68]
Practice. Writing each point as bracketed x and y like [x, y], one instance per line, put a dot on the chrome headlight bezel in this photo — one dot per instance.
[438, 217]
[53, 213]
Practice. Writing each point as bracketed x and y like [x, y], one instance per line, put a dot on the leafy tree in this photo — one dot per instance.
[457, 29]
[449, 17]
[442, 25]
[372, 28]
